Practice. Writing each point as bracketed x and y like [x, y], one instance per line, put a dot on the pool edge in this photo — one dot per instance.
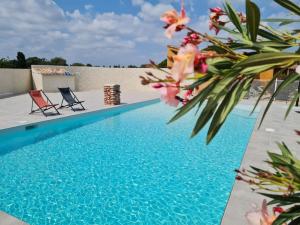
[86, 113]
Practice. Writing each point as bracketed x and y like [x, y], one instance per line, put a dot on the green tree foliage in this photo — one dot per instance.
[163, 64]
[21, 60]
[36, 61]
[7, 63]
[77, 64]
[132, 66]
[58, 61]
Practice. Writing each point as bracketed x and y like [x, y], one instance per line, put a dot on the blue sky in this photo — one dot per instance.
[101, 32]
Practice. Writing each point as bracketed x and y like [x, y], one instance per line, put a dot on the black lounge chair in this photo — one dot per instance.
[71, 99]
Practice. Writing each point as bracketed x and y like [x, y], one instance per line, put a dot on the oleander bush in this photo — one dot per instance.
[217, 77]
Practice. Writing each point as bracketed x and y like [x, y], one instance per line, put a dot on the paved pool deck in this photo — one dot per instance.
[242, 198]
[14, 112]
[6, 219]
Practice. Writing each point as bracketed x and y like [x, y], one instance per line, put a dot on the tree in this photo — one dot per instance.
[58, 61]
[7, 63]
[163, 64]
[89, 65]
[21, 60]
[132, 66]
[36, 61]
[77, 64]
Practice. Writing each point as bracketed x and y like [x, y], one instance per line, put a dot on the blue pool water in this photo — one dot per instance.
[121, 167]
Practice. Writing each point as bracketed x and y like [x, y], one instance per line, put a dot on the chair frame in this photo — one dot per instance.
[68, 105]
[45, 108]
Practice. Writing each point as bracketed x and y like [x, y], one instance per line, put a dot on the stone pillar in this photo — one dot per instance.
[112, 94]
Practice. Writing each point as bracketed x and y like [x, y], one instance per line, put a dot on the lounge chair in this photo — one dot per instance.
[70, 98]
[42, 104]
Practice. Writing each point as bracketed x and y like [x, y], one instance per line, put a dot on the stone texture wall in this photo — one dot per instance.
[14, 81]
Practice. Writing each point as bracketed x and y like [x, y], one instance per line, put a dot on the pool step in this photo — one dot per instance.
[6, 219]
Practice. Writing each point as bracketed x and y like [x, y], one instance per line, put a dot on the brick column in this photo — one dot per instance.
[112, 94]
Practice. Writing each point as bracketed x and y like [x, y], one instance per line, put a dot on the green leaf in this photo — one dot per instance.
[234, 18]
[200, 81]
[276, 44]
[291, 6]
[291, 78]
[191, 104]
[268, 58]
[268, 35]
[213, 95]
[291, 199]
[257, 69]
[186, 108]
[265, 90]
[279, 159]
[295, 221]
[281, 20]
[285, 151]
[205, 116]
[253, 19]
[292, 103]
[231, 99]
[288, 215]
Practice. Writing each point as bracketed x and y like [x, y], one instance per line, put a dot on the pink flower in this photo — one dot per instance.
[243, 18]
[184, 62]
[214, 25]
[186, 96]
[200, 61]
[215, 15]
[174, 21]
[191, 38]
[260, 216]
[157, 85]
[169, 94]
[217, 10]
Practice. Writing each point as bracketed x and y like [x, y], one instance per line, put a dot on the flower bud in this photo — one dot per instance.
[157, 85]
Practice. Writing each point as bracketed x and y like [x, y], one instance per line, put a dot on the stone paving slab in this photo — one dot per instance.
[6, 219]
[242, 198]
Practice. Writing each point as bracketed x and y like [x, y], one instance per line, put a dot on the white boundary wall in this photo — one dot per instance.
[94, 78]
[14, 81]
[17, 81]
[89, 78]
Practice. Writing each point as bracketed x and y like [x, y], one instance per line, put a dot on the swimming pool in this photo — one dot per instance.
[121, 166]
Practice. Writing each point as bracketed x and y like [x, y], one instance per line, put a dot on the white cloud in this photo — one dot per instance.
[137, 2]
[220, 2]
[151, 12]
[41, 28]
[88, 7]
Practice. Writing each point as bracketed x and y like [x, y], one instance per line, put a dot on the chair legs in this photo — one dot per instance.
[71, 105]
[43, 110]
